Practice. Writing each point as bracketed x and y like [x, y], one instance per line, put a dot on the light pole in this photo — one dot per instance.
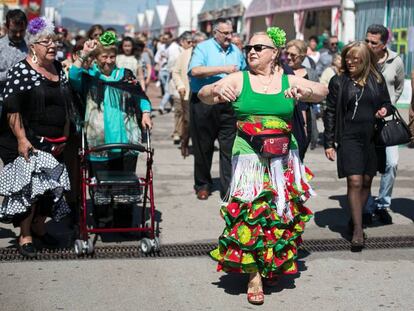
[191, 15]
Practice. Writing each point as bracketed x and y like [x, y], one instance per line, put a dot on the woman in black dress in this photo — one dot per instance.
[357, 97]
[35, 115]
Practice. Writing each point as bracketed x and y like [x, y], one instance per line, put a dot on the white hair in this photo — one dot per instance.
[39, 27]
[222, 21]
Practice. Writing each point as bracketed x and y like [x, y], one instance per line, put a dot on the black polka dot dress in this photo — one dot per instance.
[42, 108]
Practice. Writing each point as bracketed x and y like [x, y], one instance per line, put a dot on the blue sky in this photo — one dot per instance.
[102, 11]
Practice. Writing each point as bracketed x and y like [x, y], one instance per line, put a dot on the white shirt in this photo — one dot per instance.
[129, 62]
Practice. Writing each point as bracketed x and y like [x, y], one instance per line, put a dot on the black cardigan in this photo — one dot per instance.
[334, 115]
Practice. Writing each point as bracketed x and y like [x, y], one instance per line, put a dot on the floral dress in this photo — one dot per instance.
[263, 212]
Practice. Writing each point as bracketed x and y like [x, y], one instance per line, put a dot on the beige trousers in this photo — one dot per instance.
[181, 116]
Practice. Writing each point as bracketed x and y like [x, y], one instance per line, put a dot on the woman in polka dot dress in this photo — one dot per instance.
[35, 109]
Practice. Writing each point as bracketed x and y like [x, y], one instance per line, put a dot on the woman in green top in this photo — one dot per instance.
[264, 210]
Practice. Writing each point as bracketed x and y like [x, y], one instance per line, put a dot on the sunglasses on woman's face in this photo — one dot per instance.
[257, 47]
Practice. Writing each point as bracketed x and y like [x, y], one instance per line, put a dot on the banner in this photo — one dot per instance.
[33, 8]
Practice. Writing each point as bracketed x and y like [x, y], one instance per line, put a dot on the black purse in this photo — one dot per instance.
[392, 132]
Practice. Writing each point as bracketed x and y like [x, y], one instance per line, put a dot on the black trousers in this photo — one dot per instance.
[208, 123]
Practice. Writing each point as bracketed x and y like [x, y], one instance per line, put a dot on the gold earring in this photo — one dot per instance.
[34, 57]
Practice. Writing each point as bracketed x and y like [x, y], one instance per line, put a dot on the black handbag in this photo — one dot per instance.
[392, 132]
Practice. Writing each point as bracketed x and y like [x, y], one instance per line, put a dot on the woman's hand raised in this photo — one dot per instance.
[88, 47]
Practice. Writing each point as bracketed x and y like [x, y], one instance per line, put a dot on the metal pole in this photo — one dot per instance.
[191, 15]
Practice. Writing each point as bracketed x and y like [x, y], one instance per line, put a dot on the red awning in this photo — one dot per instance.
[268, 7]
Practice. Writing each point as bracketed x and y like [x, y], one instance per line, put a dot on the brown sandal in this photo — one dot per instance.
[256, 297]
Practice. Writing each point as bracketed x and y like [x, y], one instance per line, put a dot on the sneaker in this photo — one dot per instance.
[384, 216]
[161, 111]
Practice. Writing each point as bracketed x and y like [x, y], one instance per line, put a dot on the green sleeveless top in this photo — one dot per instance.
[263, 110]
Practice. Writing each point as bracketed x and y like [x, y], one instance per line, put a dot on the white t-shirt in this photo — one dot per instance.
[129, 62]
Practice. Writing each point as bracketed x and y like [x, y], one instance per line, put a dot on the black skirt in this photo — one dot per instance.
[357, 152]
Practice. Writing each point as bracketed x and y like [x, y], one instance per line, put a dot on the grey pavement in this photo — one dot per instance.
[373, 280]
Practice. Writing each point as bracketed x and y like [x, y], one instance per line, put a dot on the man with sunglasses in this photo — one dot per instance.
[327, 53]
[13, 48]
[212, 60]
[392, 68]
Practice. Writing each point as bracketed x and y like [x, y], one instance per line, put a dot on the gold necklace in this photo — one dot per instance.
[266, 86]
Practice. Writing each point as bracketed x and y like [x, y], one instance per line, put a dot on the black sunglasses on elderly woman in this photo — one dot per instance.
[257, 47]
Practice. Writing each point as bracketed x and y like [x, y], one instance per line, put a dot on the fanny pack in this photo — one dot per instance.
[268, 143]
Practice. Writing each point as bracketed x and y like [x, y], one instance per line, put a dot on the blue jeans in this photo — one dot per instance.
[164, 77]
[387, 182]
[388, 178]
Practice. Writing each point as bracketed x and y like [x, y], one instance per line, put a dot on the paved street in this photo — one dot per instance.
[371, 280]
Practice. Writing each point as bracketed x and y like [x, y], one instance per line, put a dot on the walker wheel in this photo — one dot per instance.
[145, 245]
[78, 247]
[90, 248]
[156, 245]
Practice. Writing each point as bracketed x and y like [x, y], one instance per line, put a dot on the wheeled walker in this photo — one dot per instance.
[108, 188]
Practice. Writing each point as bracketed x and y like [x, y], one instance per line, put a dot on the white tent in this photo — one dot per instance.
[140, 21]
[158, 21]
[182, 15]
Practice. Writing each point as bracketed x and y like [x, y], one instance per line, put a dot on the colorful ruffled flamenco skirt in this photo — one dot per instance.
[264, 215]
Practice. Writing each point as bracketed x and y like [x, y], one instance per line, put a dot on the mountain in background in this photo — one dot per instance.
[73, 25]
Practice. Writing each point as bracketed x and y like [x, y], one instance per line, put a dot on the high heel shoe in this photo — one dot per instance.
[358, 245]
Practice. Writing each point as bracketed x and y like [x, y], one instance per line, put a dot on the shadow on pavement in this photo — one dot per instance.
[336, 219]
[236, 283]
[132, 236]
[7, 233]
[404, 207]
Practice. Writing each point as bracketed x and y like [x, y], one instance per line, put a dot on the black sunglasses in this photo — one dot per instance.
[257, 47]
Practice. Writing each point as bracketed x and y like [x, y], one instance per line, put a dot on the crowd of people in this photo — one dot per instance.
[260, 101]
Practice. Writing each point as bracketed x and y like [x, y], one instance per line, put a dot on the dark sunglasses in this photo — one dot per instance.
[291, 55]
[334, 43]
[257, 47]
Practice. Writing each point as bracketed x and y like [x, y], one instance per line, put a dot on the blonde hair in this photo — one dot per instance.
[299, 44]
[367, 65]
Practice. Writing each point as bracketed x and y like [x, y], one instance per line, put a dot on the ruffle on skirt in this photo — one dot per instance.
[22, 183]
[264, 215]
